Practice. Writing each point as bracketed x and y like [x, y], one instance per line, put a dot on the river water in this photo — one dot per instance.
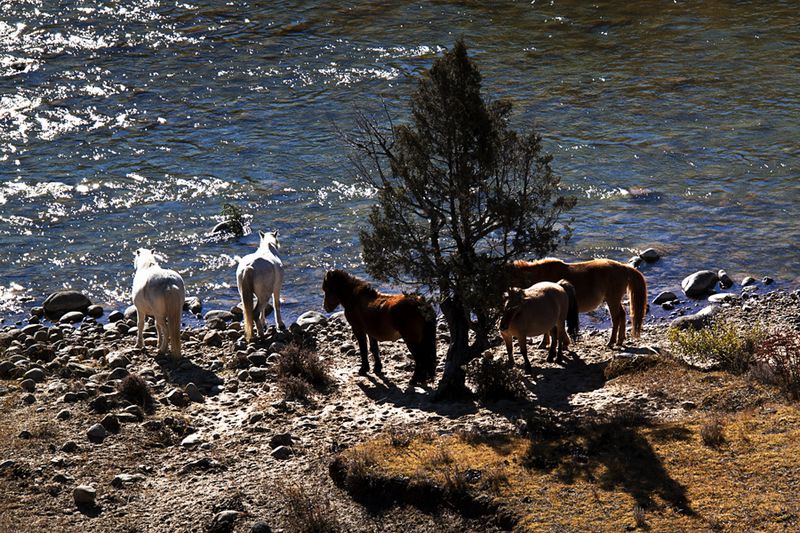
[130, 123]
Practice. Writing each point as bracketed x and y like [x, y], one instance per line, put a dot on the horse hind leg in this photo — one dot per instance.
[545, 341]
[523, 347]
[276, 303]
[362, 350]
[508, 340]
[617, 324]
[376, 355]
[551, 353]
[258, 316]
[174, 329]
[163, 334]
[140, 318]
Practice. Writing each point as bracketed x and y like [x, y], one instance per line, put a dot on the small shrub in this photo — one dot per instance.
[300, 362]
[135, 389]
[308, 511]
[778, 362]
[233, 215]
[494, 479]
[493, 380]
[723, 342]
[639, 516]
[295, 388]
[456, 480]
[712, 433]
[399, 437]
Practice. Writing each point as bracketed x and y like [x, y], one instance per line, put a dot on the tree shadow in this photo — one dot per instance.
[185, 371]
[615, 456]
[553, 386]
[381, 389]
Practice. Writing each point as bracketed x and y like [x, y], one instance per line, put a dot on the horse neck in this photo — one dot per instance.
[353, 290]
[270, 247]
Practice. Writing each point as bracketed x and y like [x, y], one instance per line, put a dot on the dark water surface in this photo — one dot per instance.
[129, 123]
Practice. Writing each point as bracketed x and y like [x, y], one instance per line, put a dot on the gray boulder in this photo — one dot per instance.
[700, 283]
[227, 316]
[61, 302]
[97, 434]
[310, 318]
[650, 255]
[698, 320]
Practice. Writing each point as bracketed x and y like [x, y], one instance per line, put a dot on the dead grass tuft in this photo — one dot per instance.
[712, 432]
[135, 389]
[308, 510]
[494, 380]
[300, 371]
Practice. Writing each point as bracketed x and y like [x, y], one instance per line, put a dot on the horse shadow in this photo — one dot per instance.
[185, 371]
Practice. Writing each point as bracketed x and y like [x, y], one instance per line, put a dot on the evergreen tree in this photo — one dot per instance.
[459, 195]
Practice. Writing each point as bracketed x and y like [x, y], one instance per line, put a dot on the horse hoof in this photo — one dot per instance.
[363, 371]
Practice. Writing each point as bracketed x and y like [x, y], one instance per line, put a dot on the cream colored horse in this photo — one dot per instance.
[541, 309]
[260, 274]
[159, 293]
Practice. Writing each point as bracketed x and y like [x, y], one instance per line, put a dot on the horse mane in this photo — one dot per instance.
[357, 286]
[521, 263]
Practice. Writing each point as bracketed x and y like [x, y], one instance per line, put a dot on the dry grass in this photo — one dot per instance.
[300, 371]
[308, 511]
[665, 473]
[730, 345]
[712, 432]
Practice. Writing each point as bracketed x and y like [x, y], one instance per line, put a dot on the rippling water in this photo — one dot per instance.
[129, 124]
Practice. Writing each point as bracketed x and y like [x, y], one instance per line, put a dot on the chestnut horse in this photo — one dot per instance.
[542, 308]
[595, 282]
[384, 317]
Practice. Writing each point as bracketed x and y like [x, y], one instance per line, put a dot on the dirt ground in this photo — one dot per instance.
[238, 456]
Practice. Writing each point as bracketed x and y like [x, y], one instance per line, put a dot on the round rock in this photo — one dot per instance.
[71, 317]
[67, 301]
[310, 318]
[650, 255]
[725, 281]
[699, 284]
[94, 311]
[84, 495]
[96, 434]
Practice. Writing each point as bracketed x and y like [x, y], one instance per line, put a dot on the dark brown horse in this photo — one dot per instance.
[595, 282]
[384, 317]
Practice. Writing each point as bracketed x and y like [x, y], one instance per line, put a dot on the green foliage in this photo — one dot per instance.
[233, 218]
[730, 345]
[494, 380]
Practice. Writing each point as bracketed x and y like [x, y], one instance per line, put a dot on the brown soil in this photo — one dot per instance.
[231, 466]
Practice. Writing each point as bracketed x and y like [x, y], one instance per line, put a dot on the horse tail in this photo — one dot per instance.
[637, 294]
[572, 309]
[246, 292]
[428, 346]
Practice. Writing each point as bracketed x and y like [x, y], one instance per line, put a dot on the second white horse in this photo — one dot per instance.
[159, 293]
[260, 274]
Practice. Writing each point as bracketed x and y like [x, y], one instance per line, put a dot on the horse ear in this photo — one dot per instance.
[275, 233]
[261, 234]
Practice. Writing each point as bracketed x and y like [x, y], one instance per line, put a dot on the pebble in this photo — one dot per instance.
[748, 280]
[224, 521]
[212, 338]
[126, 479]
[69, 447]
[111, 423]
[177, 397]
[697, 320]
[94, 311]
[721, 297]
[281, 439]
[282, 452]
[29, 399]
[97, 434]
[725, 281]
[84, 495]
[116, 316]
[192, 440]
[194, 393]
[665, 296]
[767, 280]
[219, 314]
[64, 414]
[71, 317]
[28, 385]
[36, 374]
[260, 527]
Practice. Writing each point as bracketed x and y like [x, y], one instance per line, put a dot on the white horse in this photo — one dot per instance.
[260, 274]
[159, 293]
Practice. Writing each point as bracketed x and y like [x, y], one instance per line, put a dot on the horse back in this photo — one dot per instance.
[543, 305]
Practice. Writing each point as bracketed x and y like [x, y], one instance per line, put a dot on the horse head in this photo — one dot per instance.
[270, 238]
[512, 299]
[144, 258]
[330, 301]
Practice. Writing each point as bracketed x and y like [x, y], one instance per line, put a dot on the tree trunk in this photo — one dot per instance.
[452, 385]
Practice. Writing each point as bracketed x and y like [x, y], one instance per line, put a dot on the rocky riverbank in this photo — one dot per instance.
[221, 448]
